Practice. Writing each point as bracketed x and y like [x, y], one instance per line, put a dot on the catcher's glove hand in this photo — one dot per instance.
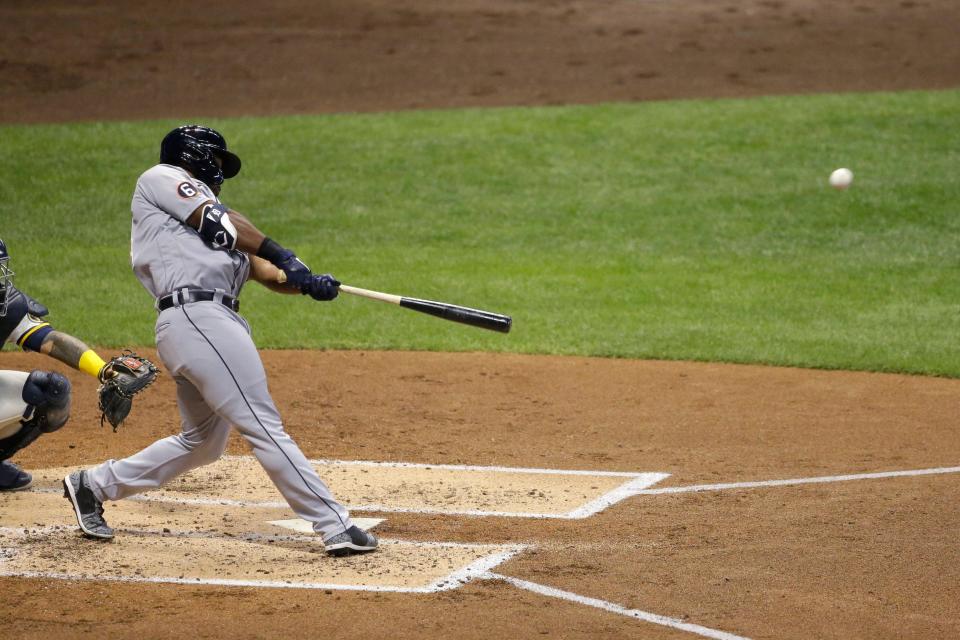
[122, 378]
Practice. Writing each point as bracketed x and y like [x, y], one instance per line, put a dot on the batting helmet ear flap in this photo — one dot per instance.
[230, 163]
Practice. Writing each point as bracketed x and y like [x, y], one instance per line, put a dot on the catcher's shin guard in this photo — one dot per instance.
[44, 407]
[49, 393]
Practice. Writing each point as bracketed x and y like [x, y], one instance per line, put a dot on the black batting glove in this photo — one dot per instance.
[297, 273]
[321, 287]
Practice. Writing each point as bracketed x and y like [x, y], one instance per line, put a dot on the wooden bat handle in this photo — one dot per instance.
[357, 291]
[373, 295]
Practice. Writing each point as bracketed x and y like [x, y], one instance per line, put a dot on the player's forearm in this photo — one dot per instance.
[249, 238]
[268, 275]
[73, 352]
[262, 249]
[277, 287]
[220, 226]
[263, 259]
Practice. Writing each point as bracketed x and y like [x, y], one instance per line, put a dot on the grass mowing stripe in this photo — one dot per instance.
[699, 230]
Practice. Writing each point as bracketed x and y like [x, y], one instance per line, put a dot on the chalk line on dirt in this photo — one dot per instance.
[797, 481]
[646, 616]
[404, 487]
[19, 559]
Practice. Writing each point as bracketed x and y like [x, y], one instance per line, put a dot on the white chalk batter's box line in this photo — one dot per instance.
[639, 485]
[478, 569]
[467, 467]
[483, 568]
[637, 481]
[626, 490]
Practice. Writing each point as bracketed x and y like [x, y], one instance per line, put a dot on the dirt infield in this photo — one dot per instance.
[60, 61]
[861, 557]
[832, 554]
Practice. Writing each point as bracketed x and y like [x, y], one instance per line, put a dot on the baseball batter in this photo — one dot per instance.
[193, 254]
[39, 402]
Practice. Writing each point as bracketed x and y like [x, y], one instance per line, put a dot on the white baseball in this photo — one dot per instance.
[841, 178]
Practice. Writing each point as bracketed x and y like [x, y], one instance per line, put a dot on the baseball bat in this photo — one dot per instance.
[445, 310]
[452, 312]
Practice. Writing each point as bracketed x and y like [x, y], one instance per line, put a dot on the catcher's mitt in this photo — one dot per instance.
[122, 378]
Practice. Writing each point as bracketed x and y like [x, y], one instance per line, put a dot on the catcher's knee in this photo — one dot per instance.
[48, 393]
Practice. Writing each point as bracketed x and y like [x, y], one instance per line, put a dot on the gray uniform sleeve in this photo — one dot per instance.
[172, 191]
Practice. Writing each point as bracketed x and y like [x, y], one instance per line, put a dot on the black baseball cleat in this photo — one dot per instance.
[89, 510]
[13, 478]
[353, 540]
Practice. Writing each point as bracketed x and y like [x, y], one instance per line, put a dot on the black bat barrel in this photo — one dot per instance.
[464, 315]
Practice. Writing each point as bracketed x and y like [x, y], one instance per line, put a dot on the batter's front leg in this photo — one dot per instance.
[226, 368]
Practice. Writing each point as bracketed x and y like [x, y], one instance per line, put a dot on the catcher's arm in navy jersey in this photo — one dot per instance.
[23, 322]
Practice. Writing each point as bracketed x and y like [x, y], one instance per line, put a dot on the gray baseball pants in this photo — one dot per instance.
[221, 382]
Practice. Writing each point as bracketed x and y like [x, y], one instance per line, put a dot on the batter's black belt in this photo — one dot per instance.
[184, 296]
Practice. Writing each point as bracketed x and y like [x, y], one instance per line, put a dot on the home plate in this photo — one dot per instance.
[302, 526]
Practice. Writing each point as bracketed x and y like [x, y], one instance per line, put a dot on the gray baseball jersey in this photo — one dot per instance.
[207, 348]
[168, 255]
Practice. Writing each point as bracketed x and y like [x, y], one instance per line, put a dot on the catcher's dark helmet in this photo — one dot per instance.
[6, 277]
[195, 147]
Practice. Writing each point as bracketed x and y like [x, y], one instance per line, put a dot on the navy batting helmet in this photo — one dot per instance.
[6, 277]
[196, 148]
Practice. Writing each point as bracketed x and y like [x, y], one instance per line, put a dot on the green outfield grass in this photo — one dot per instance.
[701, 230]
